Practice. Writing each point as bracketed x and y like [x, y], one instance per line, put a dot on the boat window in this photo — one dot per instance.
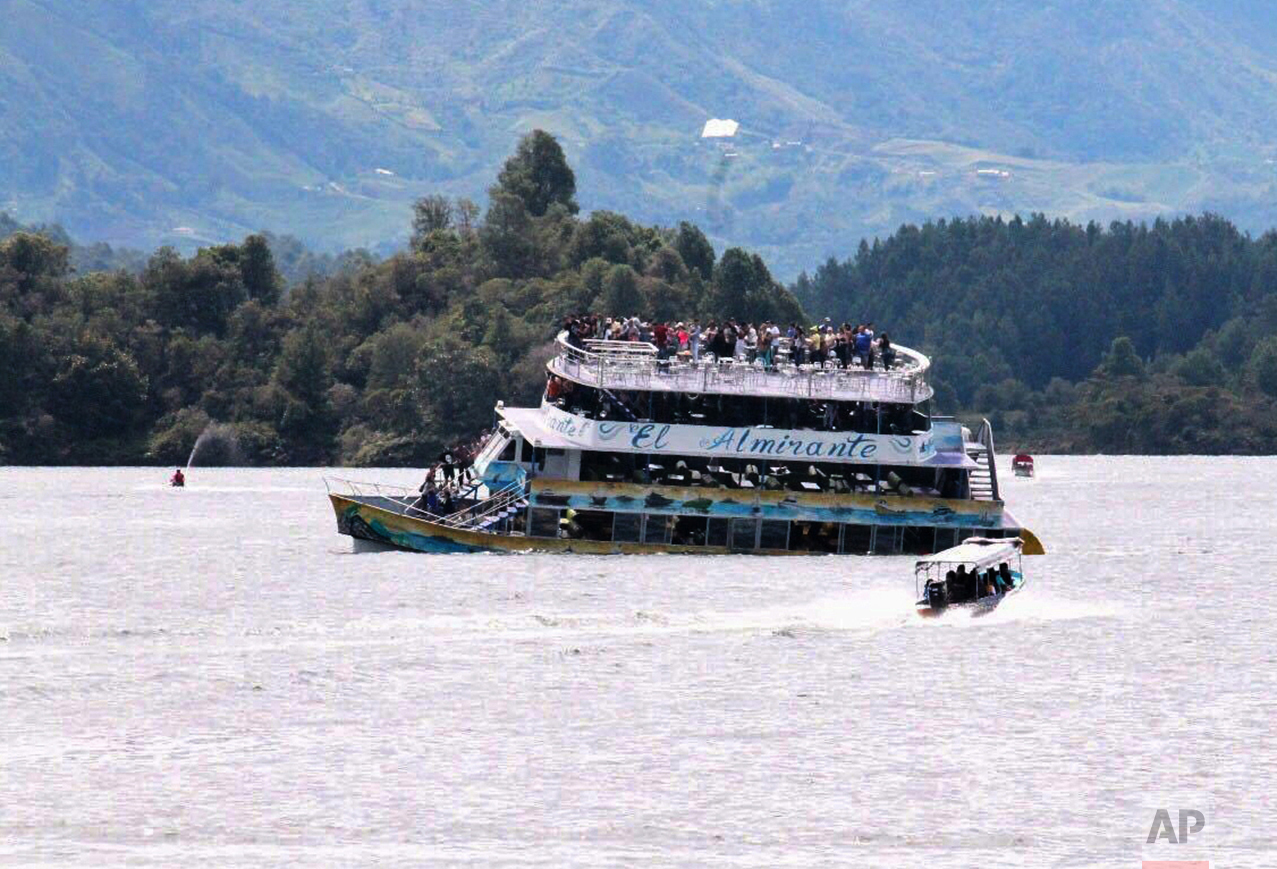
[507, 452]
[814, 537]
[689, 530]
[660, 406]
[774, 534]
[590, 525]
[657, 529]
[627, 527]
[744, 535]
[543, 522]
[857, 539]
[888, 539]
[917, 540]
[716, 532]
[525, 451]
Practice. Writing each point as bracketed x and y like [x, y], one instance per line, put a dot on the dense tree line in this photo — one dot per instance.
[361, 361]
[1131, 338]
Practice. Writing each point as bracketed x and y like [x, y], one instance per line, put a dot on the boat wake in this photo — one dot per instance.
[1030, 605]
[868, 610]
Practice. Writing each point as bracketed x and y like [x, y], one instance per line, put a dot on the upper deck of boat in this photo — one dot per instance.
[634, 365]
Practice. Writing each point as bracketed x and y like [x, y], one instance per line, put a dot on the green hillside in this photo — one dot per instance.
[144, 123]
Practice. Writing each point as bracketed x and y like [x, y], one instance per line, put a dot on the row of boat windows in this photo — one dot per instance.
[755, 473]
[795, 475]
[744, 535]
[734, 411]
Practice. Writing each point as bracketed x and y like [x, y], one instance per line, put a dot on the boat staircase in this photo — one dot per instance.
[984, 477]
[484, 515]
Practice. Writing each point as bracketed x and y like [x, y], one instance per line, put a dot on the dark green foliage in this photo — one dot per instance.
[1264, 365]
[361, 361]
[620, 291]
[431, 214]
[98, 390]
[695, 249]
[1132, 312]
[538, 174]
[1131, 338]
[742, 283]
[1122, 360]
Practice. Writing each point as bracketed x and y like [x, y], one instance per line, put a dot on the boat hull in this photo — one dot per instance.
[378, 525]
[371, 523]
[981, 607]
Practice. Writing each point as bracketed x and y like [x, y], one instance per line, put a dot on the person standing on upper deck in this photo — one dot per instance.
[885, 351]
[864, 348]
[661, 338]
[694, 340]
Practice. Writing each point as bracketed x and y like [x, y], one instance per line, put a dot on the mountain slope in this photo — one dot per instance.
[159, 121]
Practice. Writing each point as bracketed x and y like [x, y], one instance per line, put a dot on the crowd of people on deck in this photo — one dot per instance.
[449, 477]
[766, 343]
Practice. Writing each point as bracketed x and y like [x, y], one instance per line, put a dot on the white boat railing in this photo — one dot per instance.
[473, 517]
[635, 366]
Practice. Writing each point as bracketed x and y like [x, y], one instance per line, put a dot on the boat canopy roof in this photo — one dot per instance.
[530, 422]
[981, 552]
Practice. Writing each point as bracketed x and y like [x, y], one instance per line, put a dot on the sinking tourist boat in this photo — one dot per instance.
[629, 452]
[978, 574]
[1022, 465]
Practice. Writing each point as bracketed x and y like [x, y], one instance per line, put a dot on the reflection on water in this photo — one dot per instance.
[206, 676]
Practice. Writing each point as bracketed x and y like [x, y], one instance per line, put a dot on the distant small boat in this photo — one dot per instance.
[1022, 465]
[979, 574]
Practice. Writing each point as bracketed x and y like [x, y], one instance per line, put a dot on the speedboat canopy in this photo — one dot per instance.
[979, 552]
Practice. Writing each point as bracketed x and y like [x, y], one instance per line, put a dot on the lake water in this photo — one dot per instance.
[211, 676]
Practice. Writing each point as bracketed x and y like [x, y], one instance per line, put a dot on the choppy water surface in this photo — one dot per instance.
[212, 676]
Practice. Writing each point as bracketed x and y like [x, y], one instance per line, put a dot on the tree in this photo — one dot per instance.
[431, 213]
[302, 411]
[605, 235]
[98, 391]
[538, 175]
[695, 249]
[621, 296]
[1122, 360]
[31, 256]
[198, 294]
[262, 281]
[467, 215]
[1263, 362]
[456, 385]
[743, 287]
[507, 235]
[303, 367]
[1201, 368]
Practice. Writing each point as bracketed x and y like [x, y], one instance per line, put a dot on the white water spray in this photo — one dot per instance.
[218, 446]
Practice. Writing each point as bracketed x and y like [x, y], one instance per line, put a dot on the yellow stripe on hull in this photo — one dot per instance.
[368, 522]
[405, 532]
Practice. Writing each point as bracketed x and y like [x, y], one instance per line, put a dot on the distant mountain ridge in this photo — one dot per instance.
[141, 123]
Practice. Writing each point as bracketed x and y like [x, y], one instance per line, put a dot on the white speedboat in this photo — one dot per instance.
[978, 574]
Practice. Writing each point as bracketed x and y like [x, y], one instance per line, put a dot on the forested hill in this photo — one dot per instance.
[1021, 317]
[193, 122]
[376, 363]
[1131, 339]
